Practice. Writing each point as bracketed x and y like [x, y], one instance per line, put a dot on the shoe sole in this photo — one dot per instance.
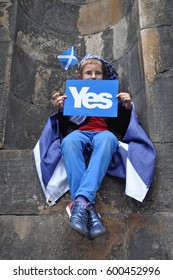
[77, 229]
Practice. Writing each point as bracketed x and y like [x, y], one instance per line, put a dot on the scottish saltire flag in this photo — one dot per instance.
[133, 161]
[68, 58]
[49, 162]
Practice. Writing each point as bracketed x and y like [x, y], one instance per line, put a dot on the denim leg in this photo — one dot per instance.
[104, 145]
[72, 147]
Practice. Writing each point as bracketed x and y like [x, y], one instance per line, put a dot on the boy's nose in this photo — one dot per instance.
[93, 76]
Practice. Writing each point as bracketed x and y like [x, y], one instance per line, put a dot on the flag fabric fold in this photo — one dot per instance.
[68, 58]
[134, 161]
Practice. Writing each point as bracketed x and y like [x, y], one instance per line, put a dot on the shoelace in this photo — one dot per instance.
[69, 207]
[83, 214]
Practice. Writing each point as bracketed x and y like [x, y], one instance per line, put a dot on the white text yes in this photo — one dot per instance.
[91, 100]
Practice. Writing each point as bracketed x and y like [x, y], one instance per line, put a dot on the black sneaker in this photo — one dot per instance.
[79, 217]
[96, 226]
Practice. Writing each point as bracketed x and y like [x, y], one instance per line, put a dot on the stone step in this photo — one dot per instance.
[29, 229]
[48, 237]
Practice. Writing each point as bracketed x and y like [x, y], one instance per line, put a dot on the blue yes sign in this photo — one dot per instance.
[91, 98]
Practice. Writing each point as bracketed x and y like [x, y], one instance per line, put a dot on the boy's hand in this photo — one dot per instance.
[124, 97]
[59, 100]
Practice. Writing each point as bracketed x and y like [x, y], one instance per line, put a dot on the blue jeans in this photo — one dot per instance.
[84, 180]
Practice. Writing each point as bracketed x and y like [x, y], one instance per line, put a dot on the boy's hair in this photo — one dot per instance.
[92, 61]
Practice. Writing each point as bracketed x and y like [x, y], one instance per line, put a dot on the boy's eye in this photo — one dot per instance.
[89, 73]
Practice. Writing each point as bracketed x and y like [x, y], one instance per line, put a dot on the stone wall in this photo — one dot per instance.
[136, 37]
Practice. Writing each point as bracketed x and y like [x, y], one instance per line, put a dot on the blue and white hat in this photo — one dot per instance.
[111, 73]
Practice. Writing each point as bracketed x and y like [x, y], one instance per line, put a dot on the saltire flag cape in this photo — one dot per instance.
[134, 161]
[68, 58]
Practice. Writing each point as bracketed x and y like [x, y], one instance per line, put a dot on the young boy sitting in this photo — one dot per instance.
[101, 135]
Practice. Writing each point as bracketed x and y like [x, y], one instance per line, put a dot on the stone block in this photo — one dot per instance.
[166, 39]
[162, 191]
[157, 57]
[8, 10]
[146, 237]
[157, 54]
[5, 61]
[89, 23]
[155, 13]
[160, 106]
[20, 190]
[129, 27]
[132, 237]
[59, 18]
[150, 39]
[31, 119]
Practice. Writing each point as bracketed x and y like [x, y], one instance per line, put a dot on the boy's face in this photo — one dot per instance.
[91, 72]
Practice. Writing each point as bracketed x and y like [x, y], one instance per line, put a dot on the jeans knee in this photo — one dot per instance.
[111, 142]
[108, 139]
[69, 145]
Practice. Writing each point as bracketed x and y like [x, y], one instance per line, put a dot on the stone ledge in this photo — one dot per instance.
[49, 237]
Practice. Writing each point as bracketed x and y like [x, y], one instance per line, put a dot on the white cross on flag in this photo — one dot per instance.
[68, 58]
